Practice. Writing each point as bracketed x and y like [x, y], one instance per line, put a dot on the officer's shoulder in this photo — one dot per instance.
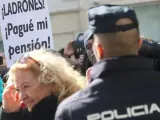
[83, 94]
[77, 97]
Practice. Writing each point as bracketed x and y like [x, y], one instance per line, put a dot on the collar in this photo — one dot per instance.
[48, 102]
[119, 64]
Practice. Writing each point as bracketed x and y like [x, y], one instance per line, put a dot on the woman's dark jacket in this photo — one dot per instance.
[44, 110]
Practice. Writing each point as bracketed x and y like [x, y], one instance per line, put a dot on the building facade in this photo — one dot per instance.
[69, 17]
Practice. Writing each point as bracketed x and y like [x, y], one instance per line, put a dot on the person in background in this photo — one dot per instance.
[89, 57]
[2, 60]
[88, 43]
[148, 48]
[1, 90]
[86, 64]
[3, 71]
[41, 80]
[74, 51]
[61, 51]
[123, 85]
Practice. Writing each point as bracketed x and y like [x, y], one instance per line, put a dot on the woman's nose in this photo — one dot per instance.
[22, 96]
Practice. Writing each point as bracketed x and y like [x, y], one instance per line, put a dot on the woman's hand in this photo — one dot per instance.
[11, 101]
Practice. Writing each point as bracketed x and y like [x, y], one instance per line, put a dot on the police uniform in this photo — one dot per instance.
[121, 88]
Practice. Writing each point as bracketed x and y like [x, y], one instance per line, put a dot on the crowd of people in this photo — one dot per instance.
[109, 72]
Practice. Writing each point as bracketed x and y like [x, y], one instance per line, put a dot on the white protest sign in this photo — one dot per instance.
[25, 26]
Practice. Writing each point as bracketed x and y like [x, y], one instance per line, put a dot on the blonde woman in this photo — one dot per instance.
[40, 80]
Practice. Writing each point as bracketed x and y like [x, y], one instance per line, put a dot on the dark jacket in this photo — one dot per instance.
[45, 110]
[126, 88]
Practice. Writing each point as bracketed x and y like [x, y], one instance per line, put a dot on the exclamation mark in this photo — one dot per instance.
[43, 4]
[6, 34]
[49, 42]
[2, 14]
[46, 23]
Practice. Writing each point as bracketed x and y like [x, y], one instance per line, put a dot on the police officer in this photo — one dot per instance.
[148, 48]
[123, 85]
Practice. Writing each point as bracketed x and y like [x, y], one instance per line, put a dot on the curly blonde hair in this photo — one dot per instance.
[55, 70]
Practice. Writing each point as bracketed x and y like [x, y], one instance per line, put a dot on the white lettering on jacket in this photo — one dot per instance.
[135, 111]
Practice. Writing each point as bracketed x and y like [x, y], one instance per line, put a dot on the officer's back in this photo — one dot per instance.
[123, 86]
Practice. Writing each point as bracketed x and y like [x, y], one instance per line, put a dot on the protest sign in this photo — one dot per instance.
[25, 26]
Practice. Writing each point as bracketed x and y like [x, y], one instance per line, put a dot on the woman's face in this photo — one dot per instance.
[30, 91]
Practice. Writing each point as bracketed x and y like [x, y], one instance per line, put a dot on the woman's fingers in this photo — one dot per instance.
[17, 96]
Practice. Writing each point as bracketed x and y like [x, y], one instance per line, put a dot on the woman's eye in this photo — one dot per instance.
[17, 90]
[25, 86]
